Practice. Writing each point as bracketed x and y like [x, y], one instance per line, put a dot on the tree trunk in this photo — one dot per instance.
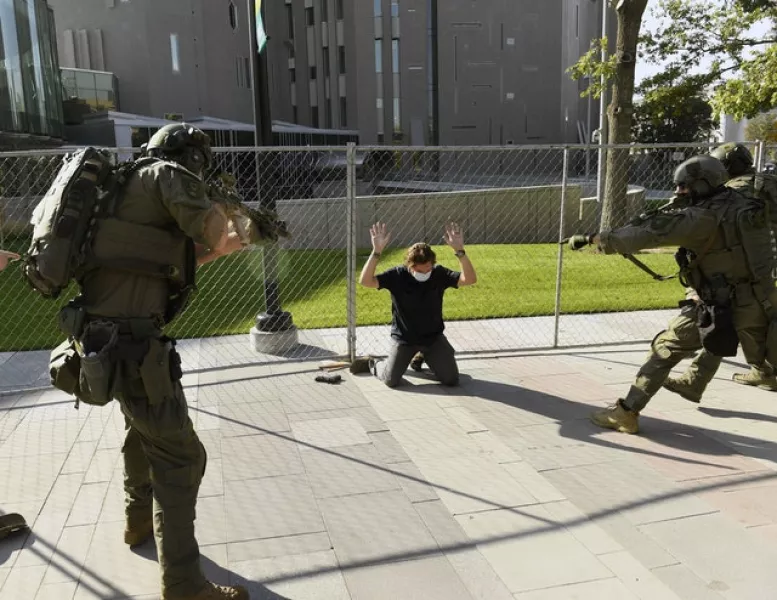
[619, 112]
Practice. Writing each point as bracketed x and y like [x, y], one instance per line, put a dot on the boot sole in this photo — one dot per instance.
[760, 386]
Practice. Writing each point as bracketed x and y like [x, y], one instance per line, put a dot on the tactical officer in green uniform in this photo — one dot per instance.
[739, 163]
[162, 213]
[730, 267]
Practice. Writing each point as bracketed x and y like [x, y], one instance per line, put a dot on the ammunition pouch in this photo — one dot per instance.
[97, 350]
[65, 367]
[71, 319]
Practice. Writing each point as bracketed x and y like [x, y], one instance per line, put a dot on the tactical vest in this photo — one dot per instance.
[739, 260]
[75, 231]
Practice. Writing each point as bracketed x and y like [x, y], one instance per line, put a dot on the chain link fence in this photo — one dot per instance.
[514, 205]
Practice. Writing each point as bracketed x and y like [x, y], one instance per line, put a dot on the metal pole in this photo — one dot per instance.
[351, 212]
[560, 262]
[274, 318]
[603, 134]
[761, 156]
[588, 135]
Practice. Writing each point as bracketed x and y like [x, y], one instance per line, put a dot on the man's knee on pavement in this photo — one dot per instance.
[392, 382]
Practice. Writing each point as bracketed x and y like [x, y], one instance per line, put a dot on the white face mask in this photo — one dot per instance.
[422, 276]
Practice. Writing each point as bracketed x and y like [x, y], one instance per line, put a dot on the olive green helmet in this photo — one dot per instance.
[184, 144]
[702, 175]
[735, 157]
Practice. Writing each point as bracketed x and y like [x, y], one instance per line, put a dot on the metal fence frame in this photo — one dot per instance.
[351, 153]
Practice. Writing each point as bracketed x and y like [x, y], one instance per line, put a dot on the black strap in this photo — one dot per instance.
[648, 270]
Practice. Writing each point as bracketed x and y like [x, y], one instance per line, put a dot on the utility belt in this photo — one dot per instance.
[86, 365]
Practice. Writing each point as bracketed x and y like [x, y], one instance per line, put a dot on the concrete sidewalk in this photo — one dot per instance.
[29, 370]
[498, 490]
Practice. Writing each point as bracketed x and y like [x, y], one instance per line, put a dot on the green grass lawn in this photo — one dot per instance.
[514, 281]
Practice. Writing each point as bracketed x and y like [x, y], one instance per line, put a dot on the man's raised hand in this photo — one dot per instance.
[379, 237]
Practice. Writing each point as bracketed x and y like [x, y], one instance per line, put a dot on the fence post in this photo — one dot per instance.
[560, 262]
[350, 199]
[761, 156]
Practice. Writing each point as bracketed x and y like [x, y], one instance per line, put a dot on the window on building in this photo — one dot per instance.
[394, 8]
[324, 11]
[379, 56]
[294, 114]
[397, 115]
[341, 59]
[378, 8]
[290, 21]
[174, 53]
[314, 116]
[339, 10]
[379, 106]
[328, 115]
[343, 112]
[395, 56]
[310, 17]
[233, 16]
[326, 62]
[313, 73]
[292, 75]
[243, 72]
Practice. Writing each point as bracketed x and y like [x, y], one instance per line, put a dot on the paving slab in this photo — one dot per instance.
[358, 491]
[523, 544]
[381, 526]
[431, 578]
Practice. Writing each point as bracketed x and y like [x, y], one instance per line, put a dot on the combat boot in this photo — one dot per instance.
[681, 387]
[136, 533]
[757, 378]
[213, 591]
[616, 417]
[417, 364]
[11, 524]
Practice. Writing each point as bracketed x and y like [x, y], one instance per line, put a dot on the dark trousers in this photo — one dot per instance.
[439, 355]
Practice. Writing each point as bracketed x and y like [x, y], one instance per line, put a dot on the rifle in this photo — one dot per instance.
[253, 225]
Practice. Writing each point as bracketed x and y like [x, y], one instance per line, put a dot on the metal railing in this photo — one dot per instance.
[513, 203]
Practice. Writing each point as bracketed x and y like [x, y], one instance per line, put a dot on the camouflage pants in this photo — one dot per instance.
[164, 462]
[679, 341]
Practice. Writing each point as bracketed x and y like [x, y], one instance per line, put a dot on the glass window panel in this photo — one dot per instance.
[103, 82]
[85, 80]
[176, 61]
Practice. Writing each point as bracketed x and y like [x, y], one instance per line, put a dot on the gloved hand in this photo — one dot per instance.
[577, 241]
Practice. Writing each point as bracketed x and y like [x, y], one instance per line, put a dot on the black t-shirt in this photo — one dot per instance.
[416, 307]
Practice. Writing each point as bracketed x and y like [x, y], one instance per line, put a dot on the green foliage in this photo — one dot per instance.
[763, 127]
[742, 77]
[591, 65]
[743, 72]
[674, 110]
[754, 91]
